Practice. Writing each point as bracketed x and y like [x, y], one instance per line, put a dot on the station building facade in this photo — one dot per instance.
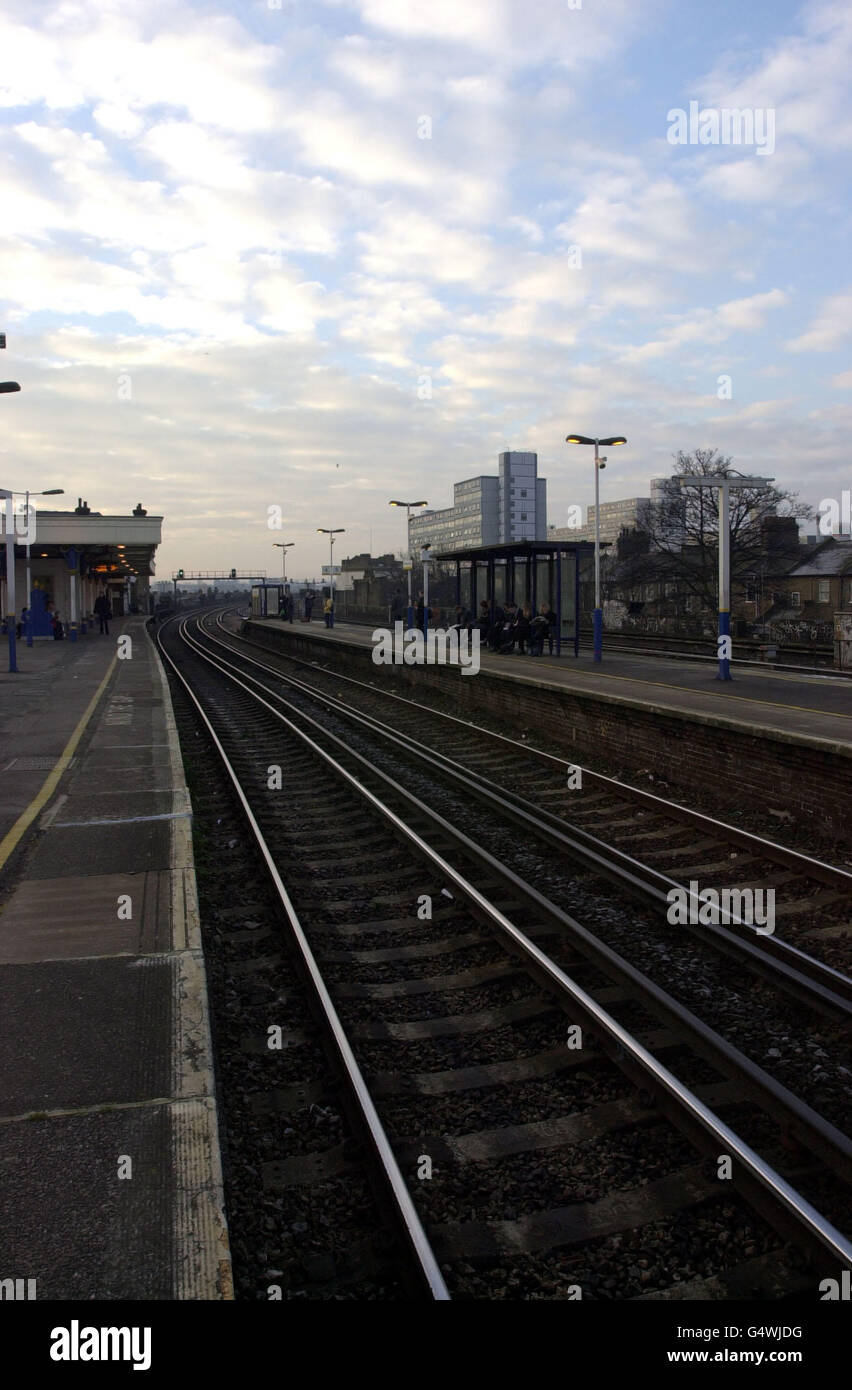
[74, 556]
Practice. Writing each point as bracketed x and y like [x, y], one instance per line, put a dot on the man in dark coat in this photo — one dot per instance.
[104, 612]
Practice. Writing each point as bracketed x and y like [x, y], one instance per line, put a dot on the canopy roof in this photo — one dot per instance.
[517, 550]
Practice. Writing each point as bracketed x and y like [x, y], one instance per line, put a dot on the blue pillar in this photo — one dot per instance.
[558, 601]
[723, 645]
[597, 634]
[576, 602]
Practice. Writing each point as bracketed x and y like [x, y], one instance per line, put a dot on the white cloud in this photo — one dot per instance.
[829, 329]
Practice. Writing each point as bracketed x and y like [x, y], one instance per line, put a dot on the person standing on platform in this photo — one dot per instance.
[309, 606]
[104, 612]
[547, 609]
[328, 612]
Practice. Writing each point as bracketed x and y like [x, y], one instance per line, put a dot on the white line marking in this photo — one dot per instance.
[126, 820]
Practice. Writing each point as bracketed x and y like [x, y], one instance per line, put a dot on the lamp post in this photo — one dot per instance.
[11, 597]
[424, 556]
[10, 573]
[6, 388]
[283, 546]
[597, 621]
[331, 533]
[724, 484]
[408, 506]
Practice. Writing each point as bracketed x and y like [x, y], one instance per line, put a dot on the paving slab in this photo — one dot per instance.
[110, 1170]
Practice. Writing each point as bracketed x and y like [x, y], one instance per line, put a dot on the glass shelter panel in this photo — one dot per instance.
[569, 597]
[521, 594]
[545, 590]
[466, 590]
[500, 582]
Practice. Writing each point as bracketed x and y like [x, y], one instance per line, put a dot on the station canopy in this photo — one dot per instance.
[111, 547]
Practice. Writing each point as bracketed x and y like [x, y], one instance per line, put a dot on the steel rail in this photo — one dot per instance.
[762, 1179]
[818, 869]
[407, 1218]
[805, 978]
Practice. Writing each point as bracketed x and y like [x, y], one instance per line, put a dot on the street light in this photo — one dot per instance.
[284, 546]
[11, 598]
[408, 506]
[597, 621]
[331, 533]
[724, 484]
[424, 556]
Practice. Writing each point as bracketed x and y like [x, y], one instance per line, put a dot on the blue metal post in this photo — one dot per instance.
[558, 600]
[576, 602]
[724, 639]
[597, 619]
[11, 604]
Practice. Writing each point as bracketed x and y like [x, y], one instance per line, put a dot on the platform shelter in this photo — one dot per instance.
[532, 572]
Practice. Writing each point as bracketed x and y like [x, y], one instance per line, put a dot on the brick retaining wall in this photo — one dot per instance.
[690, 752]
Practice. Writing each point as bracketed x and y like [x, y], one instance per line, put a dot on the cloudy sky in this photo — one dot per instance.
[323, 254]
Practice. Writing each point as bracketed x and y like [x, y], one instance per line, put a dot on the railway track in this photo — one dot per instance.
[676, 843]
[430, 976]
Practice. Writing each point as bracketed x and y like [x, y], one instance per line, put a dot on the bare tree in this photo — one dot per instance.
[684, 527]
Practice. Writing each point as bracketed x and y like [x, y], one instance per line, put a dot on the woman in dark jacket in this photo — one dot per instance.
[522, 626]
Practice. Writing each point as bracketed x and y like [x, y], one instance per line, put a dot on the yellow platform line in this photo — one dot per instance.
[26, 818]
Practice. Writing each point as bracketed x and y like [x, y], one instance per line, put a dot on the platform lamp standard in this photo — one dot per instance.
[331, 533]
[6, 387]
[424, 556]
[12, 617]
[408, 506]
[724, 484]
[48, 492]
[597, 621]
[283, 546]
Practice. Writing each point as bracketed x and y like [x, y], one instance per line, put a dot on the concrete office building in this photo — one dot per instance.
[488, 510]
[629, 512]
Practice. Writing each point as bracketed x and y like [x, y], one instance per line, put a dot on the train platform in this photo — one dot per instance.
[110, 1171]
[772, 745]
[801, 707]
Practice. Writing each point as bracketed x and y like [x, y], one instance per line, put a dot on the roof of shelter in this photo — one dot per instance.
[515, 550]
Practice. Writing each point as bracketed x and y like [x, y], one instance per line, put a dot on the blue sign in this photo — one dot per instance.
[72, 559]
